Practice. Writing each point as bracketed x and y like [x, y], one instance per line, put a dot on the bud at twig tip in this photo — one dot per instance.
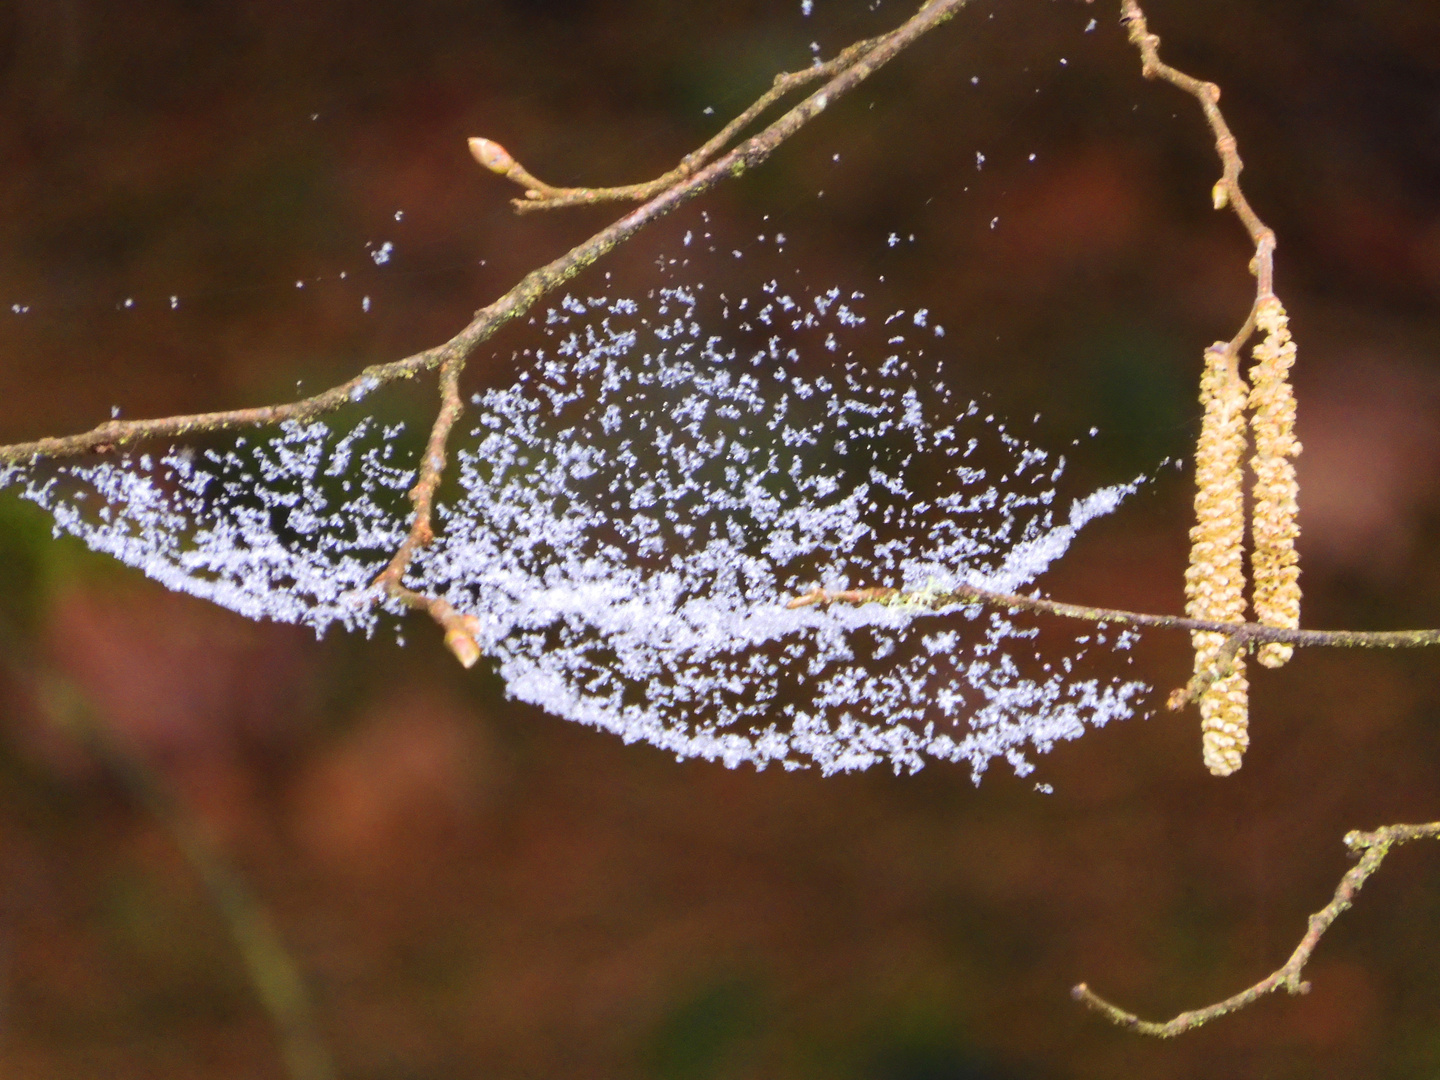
[492, 155]
[463, 646]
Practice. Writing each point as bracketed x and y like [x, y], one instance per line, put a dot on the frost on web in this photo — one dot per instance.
[628, 519]
[292, 527]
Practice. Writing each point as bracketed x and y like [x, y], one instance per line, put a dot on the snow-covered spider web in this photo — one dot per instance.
[628, 520]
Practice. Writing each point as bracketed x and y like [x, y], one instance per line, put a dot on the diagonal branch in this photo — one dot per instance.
[534, 285]
[114, 433]
[542, 196]
[692, 178]
[1372, 847]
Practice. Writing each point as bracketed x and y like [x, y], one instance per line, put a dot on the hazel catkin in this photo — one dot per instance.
[1215, 579]
[1274, 561]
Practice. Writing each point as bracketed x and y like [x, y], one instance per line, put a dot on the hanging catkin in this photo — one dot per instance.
[1215, 580]
[1274, 563]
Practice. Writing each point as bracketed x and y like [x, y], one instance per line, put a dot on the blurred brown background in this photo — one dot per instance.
[477, 889]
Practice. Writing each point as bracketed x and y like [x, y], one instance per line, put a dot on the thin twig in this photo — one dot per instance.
[1227, 190]
[1221, 666]
[542, 196]
[273, 972]
[1372, 847]
[844, 73]
[530, 289]
[1245, 633]
[459, 633]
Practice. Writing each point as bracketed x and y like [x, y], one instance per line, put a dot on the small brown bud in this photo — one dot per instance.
[492, 155]
[459, 642]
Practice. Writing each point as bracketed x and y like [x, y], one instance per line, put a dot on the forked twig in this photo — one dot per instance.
[1372, 847]
[851, 67]
[860, 61]
[542, 196]
[707, 166]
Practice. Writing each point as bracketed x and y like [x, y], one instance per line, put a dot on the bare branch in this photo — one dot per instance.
[1243, 633]
[115, 433]
[1227, 191]
[1372, 847]
[529, 290]
[844, 73]
[422, 496]
[542, 196]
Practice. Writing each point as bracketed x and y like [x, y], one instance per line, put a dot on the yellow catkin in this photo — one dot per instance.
[1225, 720]
[1215, 579]
[1275, 563]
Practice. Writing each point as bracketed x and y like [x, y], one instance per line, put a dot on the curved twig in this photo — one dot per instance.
[459, 637]
[1227, 190]
[1372, 847]
[542, 196]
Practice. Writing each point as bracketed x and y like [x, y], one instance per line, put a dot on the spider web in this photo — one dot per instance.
[628, 519]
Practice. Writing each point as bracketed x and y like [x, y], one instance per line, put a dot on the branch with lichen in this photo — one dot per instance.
[1371, 847]
[699, 172]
